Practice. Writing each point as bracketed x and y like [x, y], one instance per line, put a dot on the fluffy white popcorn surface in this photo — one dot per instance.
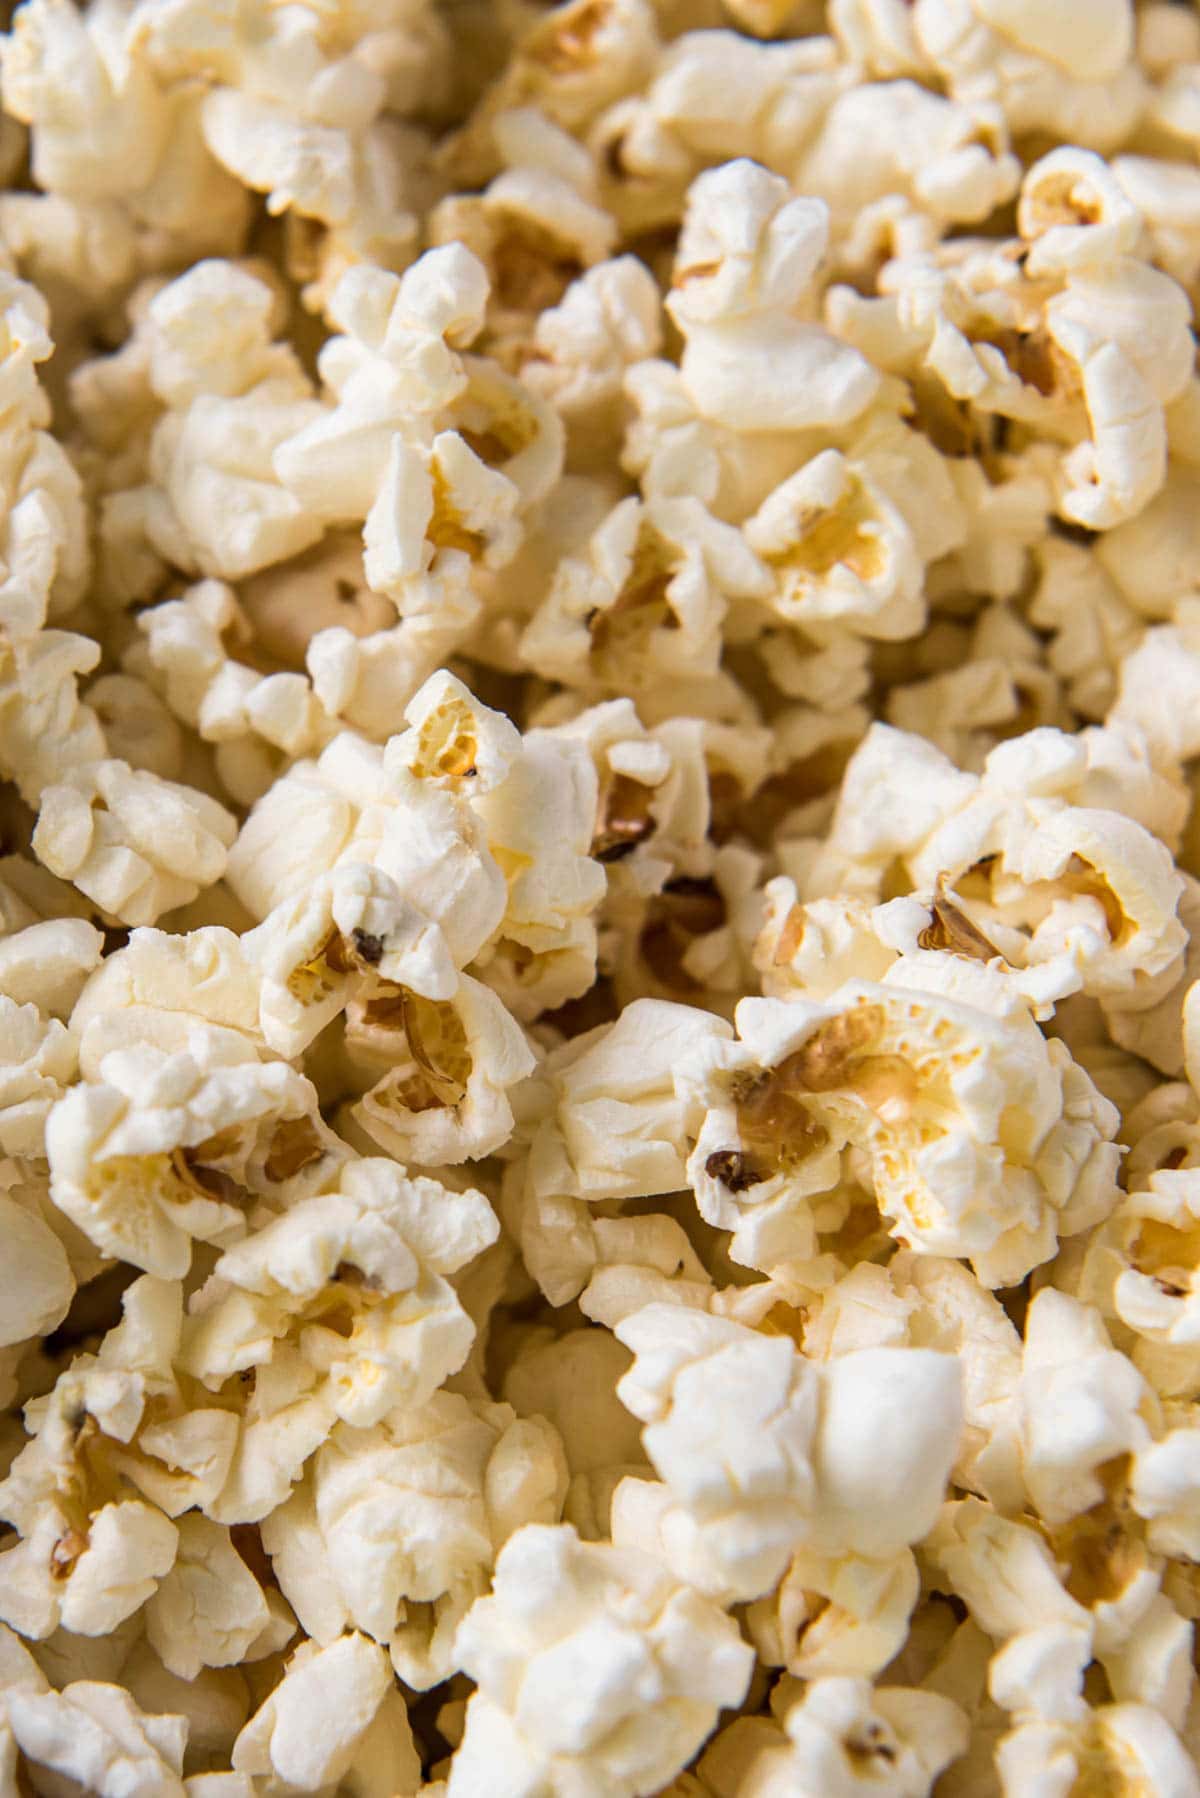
[396, 1527]
[817, 1461]
[594, 1668]
[599, 899]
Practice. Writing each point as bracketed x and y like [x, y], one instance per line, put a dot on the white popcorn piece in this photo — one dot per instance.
[1082, 1404]
[356, 1278]
[1127, 1744]
[591, 1663]
[619, 1127]
[359, 802]
[540, 822]
[534, 225]
[837, 1615]
[395, 1529]
[209, 1608]
[160, 1147]
[38, 1283]
[450, 1065]
[949, 157]
[1033, 67]
[847, 1738]
[1075, 213]
[135, 844]
[39, 1062]
[201, 976]
[607, 321]
[811, 1446]
[94, 1736]
[318, 1721]
[747, 252]
[646, 600]
[810, 1077]
[352, 934]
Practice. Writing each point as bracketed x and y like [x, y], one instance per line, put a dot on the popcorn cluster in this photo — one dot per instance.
[599, 899]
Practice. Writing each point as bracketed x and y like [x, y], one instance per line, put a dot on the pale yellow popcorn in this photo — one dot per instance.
[395, 1529]
[166, 1142]
[814, 1459]
[38, 1062]
[950, 157]
[1070, 75]
[355, 1277]
[135, 844]
[747, 253]
[593, 1663]
[351, 934]
[848, 1739]
[334, 1709]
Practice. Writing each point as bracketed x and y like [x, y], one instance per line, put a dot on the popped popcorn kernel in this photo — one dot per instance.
[599, 899]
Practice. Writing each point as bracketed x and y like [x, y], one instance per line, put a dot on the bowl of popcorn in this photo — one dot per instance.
[599, 899]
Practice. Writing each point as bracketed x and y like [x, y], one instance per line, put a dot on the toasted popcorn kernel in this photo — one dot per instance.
[950, 928]
[599, 899]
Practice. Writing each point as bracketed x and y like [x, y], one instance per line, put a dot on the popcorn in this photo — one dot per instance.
[395, 1528]
[154, 1151]
[356, 1278]
[335, 1707]
[135, 844]
[809, 1078]
[847, 1739]
[575, 1641]
[38, 1282]
[803, 1462]
[94, 1735]
[599, 898]
[209, 1609]
[746, 254]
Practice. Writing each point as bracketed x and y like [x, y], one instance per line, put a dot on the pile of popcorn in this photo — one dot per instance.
[600, 899]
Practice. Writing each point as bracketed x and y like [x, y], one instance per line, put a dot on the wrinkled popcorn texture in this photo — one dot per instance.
[599, 899]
